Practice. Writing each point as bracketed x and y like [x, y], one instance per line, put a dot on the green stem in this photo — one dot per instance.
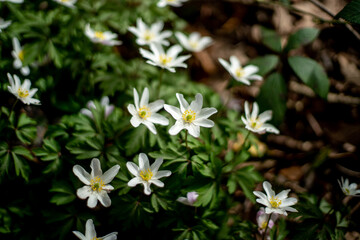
[12, 109]
[186, 143]
[160, 82]
[267, 225]
[246, 137]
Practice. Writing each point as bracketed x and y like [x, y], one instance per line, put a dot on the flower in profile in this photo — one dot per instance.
[90, 233]
[97, 184]
[4, 24]
[147, 35]
[104, 103]
[193, 43]
[18, 54]
[239, 73]
[168, 60]
[348, 189]
[262, 220]
[67, 3]
[105, 38]
[173, 3]
[190, 198]
[191, 117]
[22, 91]
[12, 1]
[145, 113]
[279, 203]
[146, 174]
[256, 123]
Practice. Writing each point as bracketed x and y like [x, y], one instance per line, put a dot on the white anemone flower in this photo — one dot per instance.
[190, 117]
[239, 73]
[279, 203]
[193, 43]
[145, 113]
[4, 24]
[147, 35]
[105, 38]
[104, 103]
[97, 184]
[90, 233]
[348, 189]
[12, 1]
[173, 3]
[146, 174]
[262, 221]
[190, 198]
[18, 54]
[67, 3]
[256, 123]
[167, 60]
[22, 91]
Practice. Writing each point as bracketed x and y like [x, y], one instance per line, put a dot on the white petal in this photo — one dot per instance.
[158, 119]
[109, 175]
[177, 127]
[255, 111]
[183, 200]
[157, 182]
[110, 236]
[225, 64]
[265, 116]
[283, 194]
[174, 51]
[150, 126]
[163, 173]
[204, 123]
[25, 70]
[206, 112]
[174, 111]
[84, 192]
[255, 77]
[270, 128]
[147, 189]
[267, 187]
[135, 121]
[184, 105]
[17, 63]
[79, 235]
[92, 201]
[143, 161]
[90, 232]
[290, 209]
[133, 182]
[86, 112]
[104, 199]
[250, 70]
[193, 130]
[155, 166]
[133, 168]
[247, 110]
[82, 174]
[234, 62]
[95, 167]
[136, 99]
[144, 98]
[288, 202]
[156, 106]
[197, 104]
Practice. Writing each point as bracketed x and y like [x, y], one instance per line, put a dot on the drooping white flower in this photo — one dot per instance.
[18, 54]
[190, 198]
[173, 3]
[147, 35]
[262, 219]
[90, 233]
[145, 113]
[193, 43]
[104, 103]
[4, 24]
[168, 60]
[146, 174]
[191, 117]
[67, 3]
[256, 123]
[239, 73]
[348, 189]
[22, 91]
[279, 203]
[97, 184]
[106, 38]
[12, 1]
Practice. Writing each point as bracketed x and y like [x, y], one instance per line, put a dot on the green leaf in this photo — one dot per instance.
[273, 97]
[21, 166]
[301, 37]
[311, 73]
[351, 12]
[271, 39]
[265, 63]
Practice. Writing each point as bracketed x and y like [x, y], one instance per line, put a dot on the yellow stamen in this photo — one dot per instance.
[275, 202]
[263, 225]
[22, 93]
[144, 112]
[255, 123]
[194, 44]
[164, 60]
[100, 35]
[64, 0]
[347, 191]
[189, 116]
[146, 175]
[239, 72]
[148, 36]
[95, 238]
[97, 184]
[21, 55]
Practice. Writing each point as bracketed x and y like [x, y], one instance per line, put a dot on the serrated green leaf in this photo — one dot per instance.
[21, 166]
[351, 12]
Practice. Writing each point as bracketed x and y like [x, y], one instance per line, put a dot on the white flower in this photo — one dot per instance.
[146, 174]
[173, 3]
[4, 24]
[104, 102]
[239, 73]
[145, 113]
[97, 184]
[193, 43]
[190, 117]
[279, 203]
[105, 38]
[18, 54]
[190, 198]
[147, 35]
[256, 123]
[22, 91]
[262, 218]
[347, 189]
[168, 60]
[67, 3]
[12, 1]
[90, 233]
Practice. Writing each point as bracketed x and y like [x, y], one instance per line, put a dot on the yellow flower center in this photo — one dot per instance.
[255, 123]
[263, 225]
[21, 55]
[22, 93]
[97, 184]
[144, 112]
[164, 60]
[194, 44]
[275, 202]
[148, 36]
[64, 0]
[146, 175]
[100, 35]
[239, 72]
[346, 191]
[189, 116]
[95, 238]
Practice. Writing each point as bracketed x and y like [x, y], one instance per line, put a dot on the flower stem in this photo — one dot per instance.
[12, 108]
[246, 137]
[160, 82]
[267, 225]
[186, 143]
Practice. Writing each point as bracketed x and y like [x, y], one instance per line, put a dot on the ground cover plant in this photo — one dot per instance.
[175, 119]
